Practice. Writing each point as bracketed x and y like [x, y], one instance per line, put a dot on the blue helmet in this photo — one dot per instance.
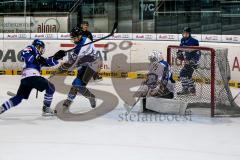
[38, 42]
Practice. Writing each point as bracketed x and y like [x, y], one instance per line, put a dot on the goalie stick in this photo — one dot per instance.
[130, 108]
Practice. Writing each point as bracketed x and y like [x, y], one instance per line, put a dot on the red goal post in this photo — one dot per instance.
[213, 94]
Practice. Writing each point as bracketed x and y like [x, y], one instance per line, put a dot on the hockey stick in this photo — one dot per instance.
[236, 96]
[11, 93]
[114, 30]
[14, 94]
[130, 108]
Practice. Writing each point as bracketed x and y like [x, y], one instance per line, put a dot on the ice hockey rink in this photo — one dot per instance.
[25, 135]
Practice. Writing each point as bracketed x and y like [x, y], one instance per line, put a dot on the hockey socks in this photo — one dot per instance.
[47, 100]
[12, 102]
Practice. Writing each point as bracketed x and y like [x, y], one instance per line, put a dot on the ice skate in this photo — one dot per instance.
[92, 101]
[2, 110]
[66, 105]
[47, 111]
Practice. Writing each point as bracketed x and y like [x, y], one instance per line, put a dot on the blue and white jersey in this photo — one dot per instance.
[31, 67]
[163, 70]
[80, 51]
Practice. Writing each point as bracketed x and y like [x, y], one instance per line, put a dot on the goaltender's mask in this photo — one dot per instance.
[155, 56]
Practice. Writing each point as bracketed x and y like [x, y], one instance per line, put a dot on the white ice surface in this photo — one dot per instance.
[25, 135]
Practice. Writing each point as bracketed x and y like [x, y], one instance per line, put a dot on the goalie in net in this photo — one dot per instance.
[159, 82]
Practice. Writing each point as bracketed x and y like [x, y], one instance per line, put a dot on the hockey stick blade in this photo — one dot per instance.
[130, 108]
[235, 97]
[11, 93]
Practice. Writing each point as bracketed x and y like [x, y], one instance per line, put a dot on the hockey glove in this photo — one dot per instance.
[59, 55]
[40, 60]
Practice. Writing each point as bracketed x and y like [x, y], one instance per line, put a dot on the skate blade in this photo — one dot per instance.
[48, 115]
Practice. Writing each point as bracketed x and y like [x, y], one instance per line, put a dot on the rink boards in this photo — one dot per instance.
[121, 58]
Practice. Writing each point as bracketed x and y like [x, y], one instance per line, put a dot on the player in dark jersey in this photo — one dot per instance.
[191, 59]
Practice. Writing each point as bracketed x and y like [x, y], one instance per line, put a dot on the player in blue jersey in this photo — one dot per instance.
[31, 78]
[191, 59]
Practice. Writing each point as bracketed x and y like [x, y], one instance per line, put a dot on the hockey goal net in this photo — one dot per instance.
[213, 95]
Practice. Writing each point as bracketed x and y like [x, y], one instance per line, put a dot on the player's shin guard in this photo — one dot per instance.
[14, 101]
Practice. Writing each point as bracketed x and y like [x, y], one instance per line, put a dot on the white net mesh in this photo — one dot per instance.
[211, 77]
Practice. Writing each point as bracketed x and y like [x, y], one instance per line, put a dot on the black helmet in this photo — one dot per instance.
[187, 29]
[85, 22]
[38, 42]
[76, 31]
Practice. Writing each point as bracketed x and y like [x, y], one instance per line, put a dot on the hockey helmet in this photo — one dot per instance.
[155, 56]
[38, 42]
[76, 32]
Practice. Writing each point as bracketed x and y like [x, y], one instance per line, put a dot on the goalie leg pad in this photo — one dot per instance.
[166, 106]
